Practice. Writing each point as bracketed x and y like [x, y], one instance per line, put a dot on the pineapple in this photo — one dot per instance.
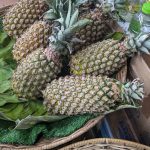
[33, 72]
[98, 30]
[36, 36]
[22, 15]
[74, 95]
[43, 65]
[108, 56]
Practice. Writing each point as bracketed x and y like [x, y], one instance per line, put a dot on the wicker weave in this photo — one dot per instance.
[106, 144]
[52, 143]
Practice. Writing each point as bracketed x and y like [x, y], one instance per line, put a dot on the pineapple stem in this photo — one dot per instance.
[133, 92]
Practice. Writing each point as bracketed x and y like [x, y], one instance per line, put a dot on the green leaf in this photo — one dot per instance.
[62, 12]
[5, 98]
[4, 86]
[5, 74]
[30, 121]
[22, 109]
[50, 15]
[135, 25]
[117, 36]
[79, 2]
[8, 107]
[3, 37]
[4, 117]
[38, 108]
[2, 63]
[15, 113]
[74, 17]
[77, 26]
[5, 52]
[67, 22]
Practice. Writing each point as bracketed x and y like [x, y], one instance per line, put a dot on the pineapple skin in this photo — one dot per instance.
[22, 15]
[101, 58]
[96, 31]
[74, 95]
[34, 37]
[33, 73]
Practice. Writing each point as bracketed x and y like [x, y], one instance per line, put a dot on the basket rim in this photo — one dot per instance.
[108, 141]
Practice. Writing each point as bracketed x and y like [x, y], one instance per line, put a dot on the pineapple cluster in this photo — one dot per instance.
[75, 33]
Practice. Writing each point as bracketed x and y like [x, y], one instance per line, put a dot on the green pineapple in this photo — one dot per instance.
[108, 56]
[43, 65]
[74, 95]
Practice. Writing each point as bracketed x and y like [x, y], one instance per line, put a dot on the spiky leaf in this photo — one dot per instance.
[67, 22]
[74, 17]
[50, 15]
[80, 24]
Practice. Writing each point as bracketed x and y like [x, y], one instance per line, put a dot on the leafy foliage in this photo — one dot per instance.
[6, 44]
[117, 35]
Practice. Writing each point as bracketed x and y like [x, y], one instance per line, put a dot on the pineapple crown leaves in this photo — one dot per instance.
[132, 92]
[120, 4]
[55, 6]
[53, 12]
[106, 7]
[140, 42]
[65, 27]
[80, 2]
[118, 7]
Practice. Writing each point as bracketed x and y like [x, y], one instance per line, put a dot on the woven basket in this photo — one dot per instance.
[108, 144]
[52, 143]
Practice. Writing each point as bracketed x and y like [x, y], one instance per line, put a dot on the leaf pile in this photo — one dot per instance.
[6, 44]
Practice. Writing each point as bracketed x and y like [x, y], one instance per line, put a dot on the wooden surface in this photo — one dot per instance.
[4, 3]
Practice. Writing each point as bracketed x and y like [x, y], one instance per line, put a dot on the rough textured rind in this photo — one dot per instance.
[36, 36]
[81, 94]
[96, 31]
[22, 15]
[33, 73]
[101, 58]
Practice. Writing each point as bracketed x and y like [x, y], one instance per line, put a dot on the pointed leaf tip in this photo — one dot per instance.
[74, 17]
